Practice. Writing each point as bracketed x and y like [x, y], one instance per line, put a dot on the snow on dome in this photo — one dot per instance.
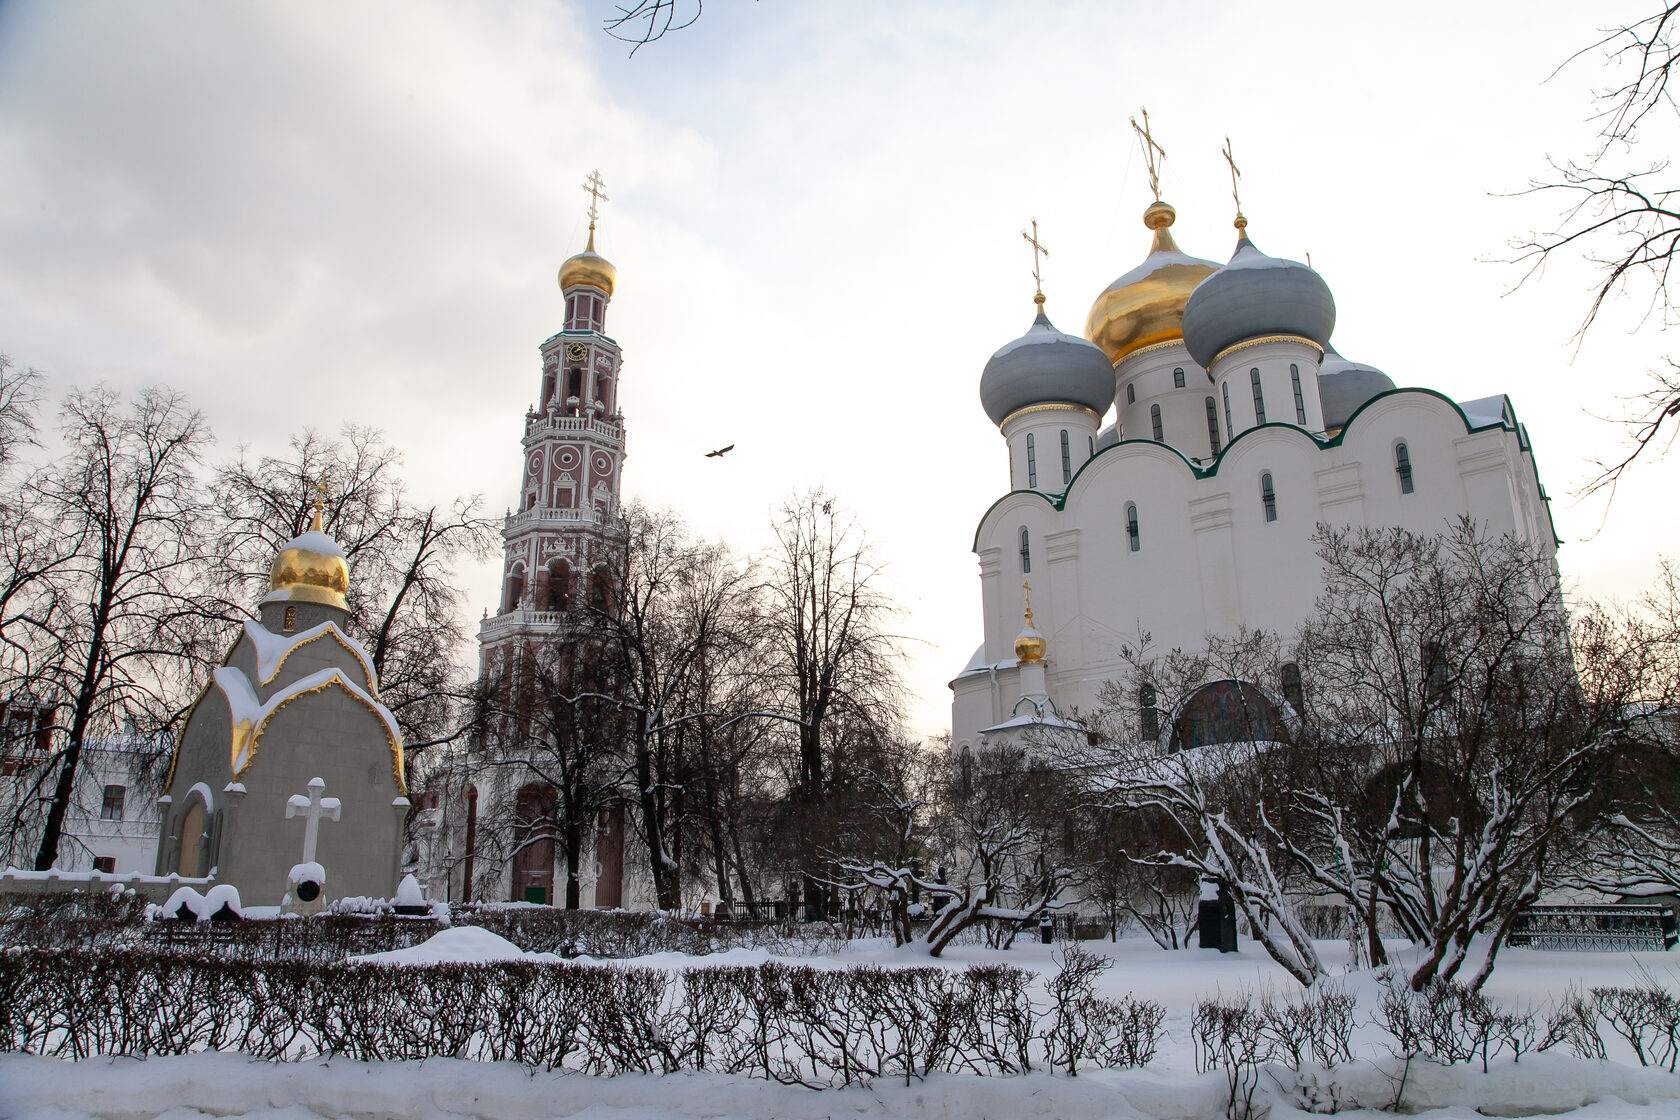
[1045, 366]
[409, 893]
[1145, 306]
[1253, 296]
[1344, 386]
[314, 540]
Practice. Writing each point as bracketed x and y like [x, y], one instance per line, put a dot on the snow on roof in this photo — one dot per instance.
[1487, 410]
[244, 705]
[1041, 333]
[1032, 719]
[272, 649]
[1154, 262]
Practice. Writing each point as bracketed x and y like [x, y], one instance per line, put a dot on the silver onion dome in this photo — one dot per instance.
[1254, 296]
[1045, 366]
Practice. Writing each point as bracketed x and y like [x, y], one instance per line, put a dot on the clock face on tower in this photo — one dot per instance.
[576, 352]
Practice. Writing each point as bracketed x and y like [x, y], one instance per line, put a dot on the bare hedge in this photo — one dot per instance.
[793, 1024]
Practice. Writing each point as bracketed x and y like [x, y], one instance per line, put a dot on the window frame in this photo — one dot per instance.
[1300, 399]
[1268, 496]
[1403, 467]
[1178, 377]
[1067, 459]
[1134, 536]
[1259, 396]
[1025, 539]
[1032, 463]
[1155, 427]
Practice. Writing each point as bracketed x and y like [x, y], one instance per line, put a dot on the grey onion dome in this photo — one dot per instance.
[1045, 366]
[1344, 386]
[1253, 296]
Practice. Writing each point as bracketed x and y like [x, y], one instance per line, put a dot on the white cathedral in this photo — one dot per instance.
[1238, 429]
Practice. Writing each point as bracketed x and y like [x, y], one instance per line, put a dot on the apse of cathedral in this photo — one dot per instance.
[1167, 471]
[296, 699]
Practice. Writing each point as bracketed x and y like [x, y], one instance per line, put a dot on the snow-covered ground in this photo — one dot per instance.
[231, 1085]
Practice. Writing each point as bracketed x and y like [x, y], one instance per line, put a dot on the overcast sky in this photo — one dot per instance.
[315, 214]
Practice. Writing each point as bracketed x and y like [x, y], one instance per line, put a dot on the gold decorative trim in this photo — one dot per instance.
[1060, 405]
[1149, 349]
[344, 643]
[339, 680]
[1262, 340]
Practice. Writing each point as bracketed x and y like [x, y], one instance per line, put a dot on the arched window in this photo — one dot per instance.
[1132, 526]
[1293, 694]
[559, 586]
[1090, 447]
[1300, 401]
[1403, 467]
[1178, 378]
[1149, 716]
[515, 589]
[1225, 391]
[1131, 394]
[1225, 712]
[1155, 421]
[1032, 463]
[600, 589]
[1268, 496]
[1067, 460]
[1213, 426]
[1026, 554]
[1259, 397]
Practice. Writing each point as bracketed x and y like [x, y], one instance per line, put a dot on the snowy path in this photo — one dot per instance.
[228, 1085]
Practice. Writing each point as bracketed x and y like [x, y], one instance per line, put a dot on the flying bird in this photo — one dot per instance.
[720, 451]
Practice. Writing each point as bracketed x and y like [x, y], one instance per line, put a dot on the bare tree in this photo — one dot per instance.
[1621, 216]
[833, 666]
[403, 599]
[646, 21]
[130, 626]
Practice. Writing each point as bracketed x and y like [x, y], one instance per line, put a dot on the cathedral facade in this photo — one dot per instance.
[1236, 430]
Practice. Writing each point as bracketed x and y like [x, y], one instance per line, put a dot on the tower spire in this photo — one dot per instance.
[1039, 250]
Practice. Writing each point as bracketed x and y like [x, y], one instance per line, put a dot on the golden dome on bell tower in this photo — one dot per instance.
[1145, 307]
[1030, 645]
[310, 568]
[589, 268]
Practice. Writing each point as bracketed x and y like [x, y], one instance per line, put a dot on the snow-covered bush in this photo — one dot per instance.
[1647, 1016]
[1449, 1023]
[788, 1023]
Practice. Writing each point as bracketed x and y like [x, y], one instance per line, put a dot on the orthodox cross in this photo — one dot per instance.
[1038, 251]
[1026, 593]
[1236, 173]
[1153, 154]
[312, 808]
[593, 185]
[319, 487]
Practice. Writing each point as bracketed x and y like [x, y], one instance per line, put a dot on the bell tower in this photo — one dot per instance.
[559, 540]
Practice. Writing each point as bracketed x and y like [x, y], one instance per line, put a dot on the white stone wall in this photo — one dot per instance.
[1208, 561]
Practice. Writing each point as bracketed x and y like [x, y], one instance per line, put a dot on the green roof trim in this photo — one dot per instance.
[1059, 502]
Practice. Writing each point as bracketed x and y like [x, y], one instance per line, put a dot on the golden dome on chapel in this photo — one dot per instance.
[589, 268]
[310, 568]
[1146, 305]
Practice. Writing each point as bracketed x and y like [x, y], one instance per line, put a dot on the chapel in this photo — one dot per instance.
[296, 699]
[1168, 469]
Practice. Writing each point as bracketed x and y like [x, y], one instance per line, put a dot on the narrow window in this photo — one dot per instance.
[1090, 447]
[1178, 378]
[1067, 460]
[112, 807]
[1213, 426]
[1149, 716]
[1155, 421]
[1026, 554]
[1403, 467]
[1259, 397]
[1293, 693]
[1032, 463]
[1132, 526]
[1131, 394]
[1225, 391]
[1268, 497]
[1300, 401]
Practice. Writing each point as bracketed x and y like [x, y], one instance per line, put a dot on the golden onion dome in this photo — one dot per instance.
[589, 268]
[1030, 645]
[310, 568]
[1146, 305]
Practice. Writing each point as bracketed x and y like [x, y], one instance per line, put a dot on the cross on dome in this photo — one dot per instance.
[1039, 250]
[1153, 154]
[593, 185]
[1236, 174]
